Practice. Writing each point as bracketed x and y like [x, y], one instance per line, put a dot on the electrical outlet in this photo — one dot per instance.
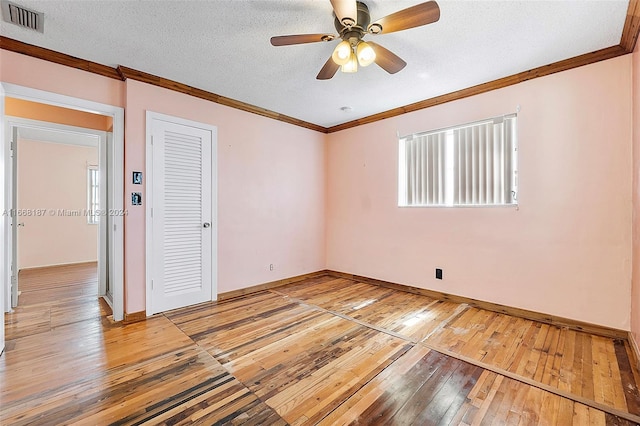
[438, 273]
[271, 267]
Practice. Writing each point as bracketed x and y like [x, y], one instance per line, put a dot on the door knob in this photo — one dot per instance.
[206, 224]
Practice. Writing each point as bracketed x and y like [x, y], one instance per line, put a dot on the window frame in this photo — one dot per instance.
[450, 165]
[93, 192]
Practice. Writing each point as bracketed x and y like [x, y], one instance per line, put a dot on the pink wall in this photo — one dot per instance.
[635, 287]
[566, 251]
[270, 177]
[270, 192]
[53, 177]
[37, 74]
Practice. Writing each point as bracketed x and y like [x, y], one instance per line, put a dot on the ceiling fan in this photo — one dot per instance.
[352, 21]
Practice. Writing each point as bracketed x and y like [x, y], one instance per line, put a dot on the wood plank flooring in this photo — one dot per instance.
[323, 351]
[582, 364]
[51, 297]
[54, 283]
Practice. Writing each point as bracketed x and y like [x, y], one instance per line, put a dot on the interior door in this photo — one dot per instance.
[182, 215]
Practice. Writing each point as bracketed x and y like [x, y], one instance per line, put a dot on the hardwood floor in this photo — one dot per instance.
[53, 296]
[322, 351]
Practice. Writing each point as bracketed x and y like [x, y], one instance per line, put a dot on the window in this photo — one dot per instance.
[93, 195]
[470, 165]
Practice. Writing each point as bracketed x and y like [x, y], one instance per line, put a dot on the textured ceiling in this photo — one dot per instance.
[222, 46]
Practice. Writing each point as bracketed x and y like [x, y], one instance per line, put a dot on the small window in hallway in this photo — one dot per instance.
[93, 195]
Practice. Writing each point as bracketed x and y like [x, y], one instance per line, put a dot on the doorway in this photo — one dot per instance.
[60, 197]
[114, 154]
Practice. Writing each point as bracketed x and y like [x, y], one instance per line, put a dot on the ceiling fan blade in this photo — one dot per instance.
[287, 40]
[328, 70]
[415, 16]
[386, 59]
[346, 11]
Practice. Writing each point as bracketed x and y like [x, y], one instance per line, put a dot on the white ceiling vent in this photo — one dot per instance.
[24, 17]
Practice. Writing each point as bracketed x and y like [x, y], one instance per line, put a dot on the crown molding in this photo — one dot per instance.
[567, 64]
[130, 73]
[57, 57]
[631, 27]
[627, 45]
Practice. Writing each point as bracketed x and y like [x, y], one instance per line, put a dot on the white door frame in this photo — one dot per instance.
[3, 247]
[66, 135]
[116, 182]
[12, 135]
[150, 117]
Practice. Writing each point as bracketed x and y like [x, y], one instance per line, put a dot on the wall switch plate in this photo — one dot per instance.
[136, 198]
[438, 273]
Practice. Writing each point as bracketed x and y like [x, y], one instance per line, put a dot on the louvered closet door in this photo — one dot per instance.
[182, 216]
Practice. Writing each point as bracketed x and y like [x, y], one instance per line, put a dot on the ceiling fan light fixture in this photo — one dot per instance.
[351, 65]
[374, 28]
[366, 54]
[352, 21]
[342, 53]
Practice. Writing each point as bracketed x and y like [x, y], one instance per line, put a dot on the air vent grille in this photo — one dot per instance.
[23, 17]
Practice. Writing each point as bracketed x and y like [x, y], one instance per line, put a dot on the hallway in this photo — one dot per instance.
[54, 296]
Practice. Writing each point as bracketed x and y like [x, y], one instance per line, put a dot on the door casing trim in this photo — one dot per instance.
[116, 151]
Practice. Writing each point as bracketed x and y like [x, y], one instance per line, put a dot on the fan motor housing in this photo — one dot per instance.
[362, 22]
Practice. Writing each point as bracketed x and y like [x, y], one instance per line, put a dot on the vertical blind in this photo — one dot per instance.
[425, 156]
[474, 164]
